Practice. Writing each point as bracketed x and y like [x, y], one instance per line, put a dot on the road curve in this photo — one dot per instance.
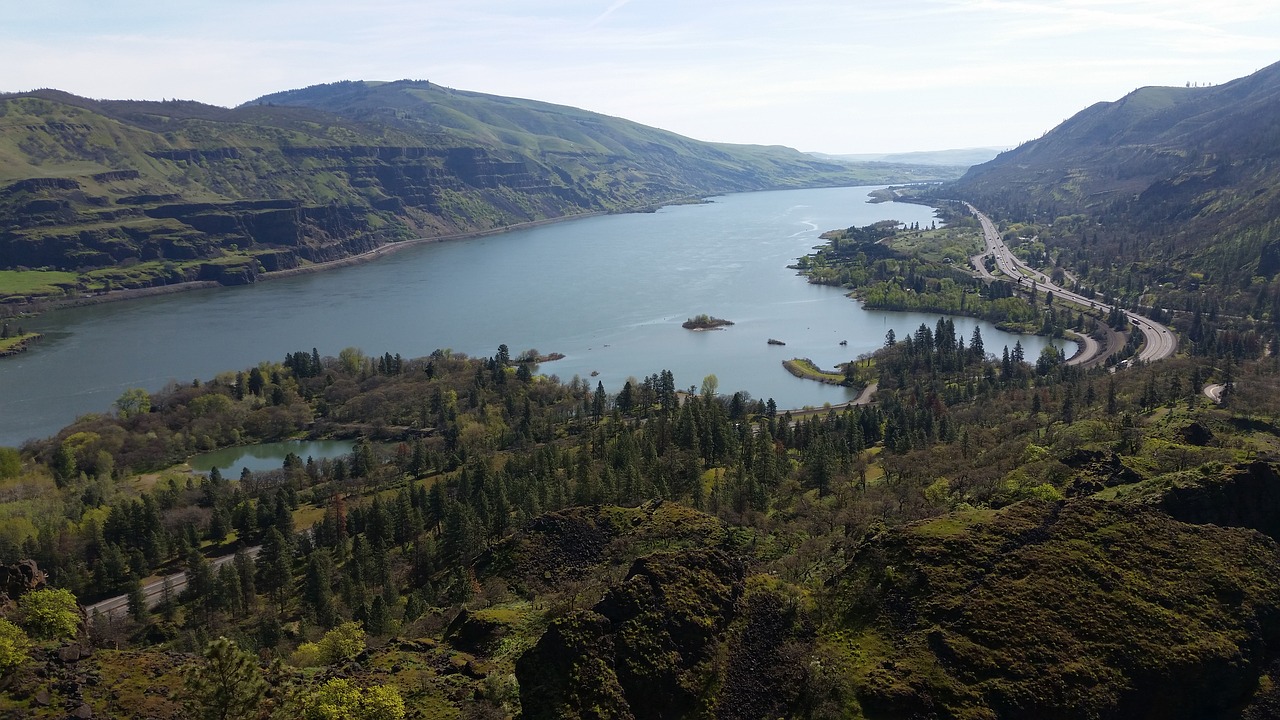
[1213, 391]
[1160, 341]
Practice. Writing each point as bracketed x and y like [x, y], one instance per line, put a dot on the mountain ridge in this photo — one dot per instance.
[1156, 196]
[139, 194]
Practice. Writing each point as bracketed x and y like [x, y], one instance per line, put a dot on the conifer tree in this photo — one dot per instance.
[228, 685]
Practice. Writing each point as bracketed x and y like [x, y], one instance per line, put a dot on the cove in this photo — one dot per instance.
[268, 456]
[610, 292]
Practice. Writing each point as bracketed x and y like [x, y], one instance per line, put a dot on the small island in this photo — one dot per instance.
[533, 357]
[705, 322]
[776, 342]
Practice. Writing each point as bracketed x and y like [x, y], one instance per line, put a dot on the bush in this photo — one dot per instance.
[343, 642]
[307, 655]
[50, 614]
[14, 645]
[339, 644]
[10, 463]
[338, 699]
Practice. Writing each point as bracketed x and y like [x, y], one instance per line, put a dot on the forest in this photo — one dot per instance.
[490, 515]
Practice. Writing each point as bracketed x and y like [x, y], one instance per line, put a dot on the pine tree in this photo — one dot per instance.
[137, 601]
[228, 685]
[317, 588]
[275, 566]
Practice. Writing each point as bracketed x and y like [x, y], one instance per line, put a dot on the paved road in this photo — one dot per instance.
[1089, 349]
[866, 397]
[1160, 341]
[980, 266]
[1213, 391]
[154, 590]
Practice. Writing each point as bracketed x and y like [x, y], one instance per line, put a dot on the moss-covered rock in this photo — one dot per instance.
[646, 650]
[573, 544]
[1246, 495]
[1077, 609]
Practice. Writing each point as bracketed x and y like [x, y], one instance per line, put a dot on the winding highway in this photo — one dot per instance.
[1160, 342]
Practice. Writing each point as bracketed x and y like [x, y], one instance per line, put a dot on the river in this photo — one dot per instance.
[610, 292]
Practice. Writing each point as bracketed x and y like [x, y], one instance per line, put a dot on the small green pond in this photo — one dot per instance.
[268, 456]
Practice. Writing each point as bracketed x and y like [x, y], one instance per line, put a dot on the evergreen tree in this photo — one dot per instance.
[275, 566]
[317, 588]
[137, 601]
[228, 685]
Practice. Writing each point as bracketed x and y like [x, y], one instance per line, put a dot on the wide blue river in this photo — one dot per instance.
[609, 292]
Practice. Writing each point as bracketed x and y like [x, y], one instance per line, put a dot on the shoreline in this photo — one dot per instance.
[37, 307]
[33, 308]
[23, 345]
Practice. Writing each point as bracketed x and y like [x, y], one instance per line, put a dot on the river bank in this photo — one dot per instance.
[34, 307]
[17, 344]
[557, 288]
[37, 306]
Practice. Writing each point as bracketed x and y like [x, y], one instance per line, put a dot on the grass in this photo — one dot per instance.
[13, 343]
[36, 282]
[957, 244]
[953, 524]
[806, 369]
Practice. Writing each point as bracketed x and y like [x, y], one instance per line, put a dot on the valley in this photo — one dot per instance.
[943, 513]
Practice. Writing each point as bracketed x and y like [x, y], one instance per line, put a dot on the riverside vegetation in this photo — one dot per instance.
[996, 537]
[503, 542]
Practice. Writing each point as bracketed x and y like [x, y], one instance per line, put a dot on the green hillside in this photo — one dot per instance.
[1168, 197]
[989, 540]
[134, 194]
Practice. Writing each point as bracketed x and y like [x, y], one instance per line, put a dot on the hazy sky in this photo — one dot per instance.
[839, 76]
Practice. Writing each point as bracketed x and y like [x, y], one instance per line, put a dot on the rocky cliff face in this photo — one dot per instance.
[382, 194]
[1072, 609]
[1244, 496]
[644, 651]
[135, 193]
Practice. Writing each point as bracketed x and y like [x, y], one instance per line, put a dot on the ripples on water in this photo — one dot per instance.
[609, 292]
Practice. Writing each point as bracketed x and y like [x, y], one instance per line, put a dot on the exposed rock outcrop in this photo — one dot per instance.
[644, 650]
[1063, 610]
[1247, 496]
[19, 578]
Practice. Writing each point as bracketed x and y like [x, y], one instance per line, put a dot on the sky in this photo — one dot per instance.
[834, 76]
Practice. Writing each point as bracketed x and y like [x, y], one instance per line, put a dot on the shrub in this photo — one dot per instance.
[341, 643]
[50, 614]
[14, 645]
[338, 699]
[307, 655]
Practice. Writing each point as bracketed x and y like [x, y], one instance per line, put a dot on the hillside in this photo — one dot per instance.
[1177, 186]
[500, 544]
[136, 194]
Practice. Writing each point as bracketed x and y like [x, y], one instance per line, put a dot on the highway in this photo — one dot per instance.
[1160, 342]
[154, 590]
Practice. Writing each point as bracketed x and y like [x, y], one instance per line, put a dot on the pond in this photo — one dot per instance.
[268, 456]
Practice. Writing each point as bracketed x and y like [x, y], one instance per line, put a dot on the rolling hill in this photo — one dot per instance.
[134, 194]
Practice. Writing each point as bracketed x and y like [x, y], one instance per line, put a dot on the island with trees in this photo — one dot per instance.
[704, 321]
